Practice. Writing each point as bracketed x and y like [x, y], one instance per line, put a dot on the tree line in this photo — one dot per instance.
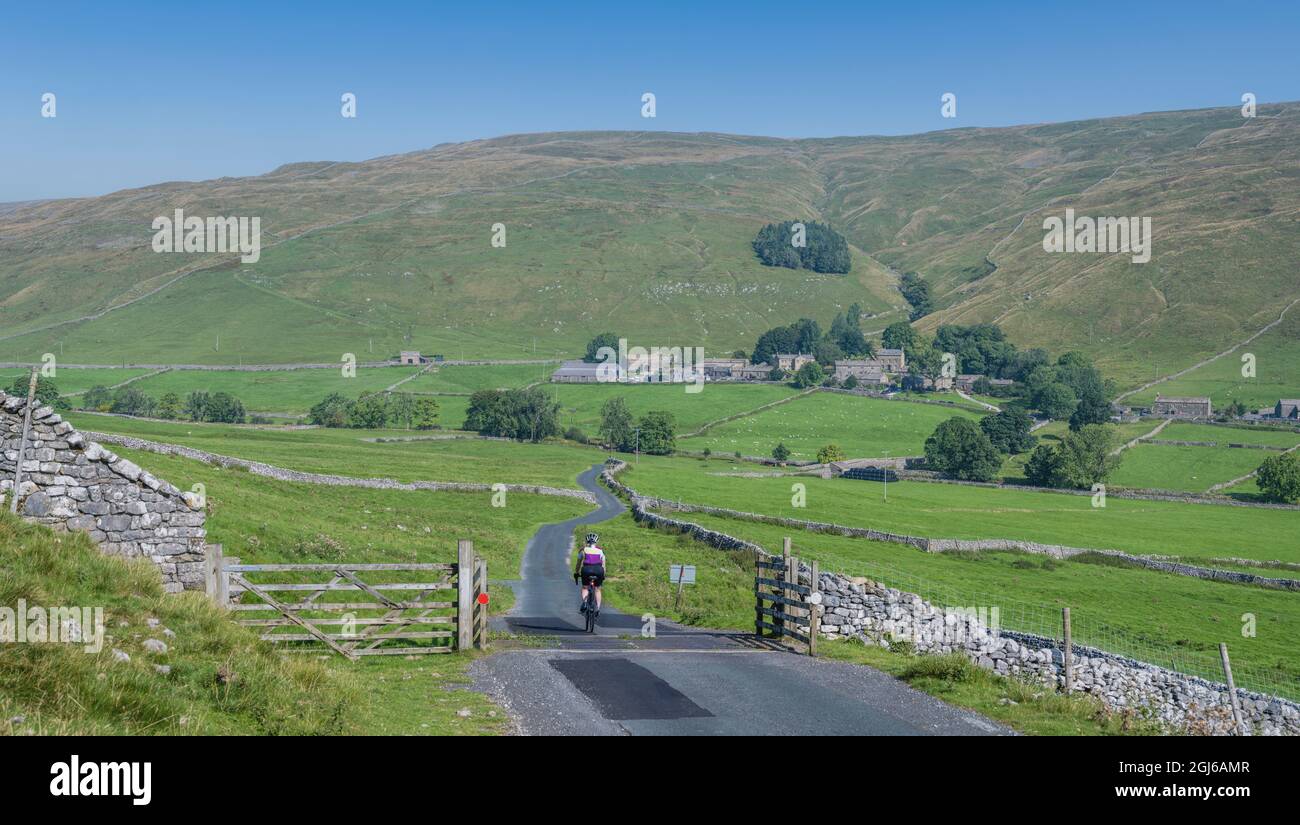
[376, 411]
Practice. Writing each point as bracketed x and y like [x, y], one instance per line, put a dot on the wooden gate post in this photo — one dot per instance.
[481, 607]
[782, 576]
[215, 581]
[465, 594]
[758, 594]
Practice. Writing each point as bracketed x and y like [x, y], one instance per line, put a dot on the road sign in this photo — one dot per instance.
[679, 574]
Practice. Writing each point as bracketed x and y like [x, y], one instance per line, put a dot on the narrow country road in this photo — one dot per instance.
[684, 680]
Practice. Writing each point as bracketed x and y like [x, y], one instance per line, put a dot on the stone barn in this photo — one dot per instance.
[1198, 407]
[70, 483]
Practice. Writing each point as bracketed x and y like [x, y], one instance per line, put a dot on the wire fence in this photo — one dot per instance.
[1088, 631]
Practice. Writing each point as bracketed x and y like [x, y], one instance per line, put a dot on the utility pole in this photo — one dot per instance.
[638, 446]
[886, 476]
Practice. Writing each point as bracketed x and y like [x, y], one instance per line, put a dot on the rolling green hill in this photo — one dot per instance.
[649, 234]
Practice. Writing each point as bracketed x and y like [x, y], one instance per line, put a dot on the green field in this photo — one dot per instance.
[70, 380]
[1277, 372]
[467, 379]
[580, 403]
[1230, 435]
[291, 391]
[346, 452]
[863, 427]
[1190, 531]
[1189, 469]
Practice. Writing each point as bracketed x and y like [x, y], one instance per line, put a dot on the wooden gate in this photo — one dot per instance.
[359, 610]
[795, 610]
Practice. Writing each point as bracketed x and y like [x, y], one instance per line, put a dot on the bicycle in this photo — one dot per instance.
[590, 610]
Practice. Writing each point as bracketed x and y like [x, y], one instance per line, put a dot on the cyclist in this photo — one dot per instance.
[590, 567]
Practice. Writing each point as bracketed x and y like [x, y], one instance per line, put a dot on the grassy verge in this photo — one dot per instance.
[1026, 707]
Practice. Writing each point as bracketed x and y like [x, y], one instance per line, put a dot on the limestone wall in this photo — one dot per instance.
[71, 483]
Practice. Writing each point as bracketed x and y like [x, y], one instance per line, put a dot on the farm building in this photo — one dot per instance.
[412, 357]
[791, 362]
[1287, 408]
[891, 360]
[723, 369]
[1196, 407]
[582, 372]
[917, 383]
[867, 372]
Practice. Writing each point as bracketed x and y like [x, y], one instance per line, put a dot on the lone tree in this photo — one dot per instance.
[780, 452]
[616, 423]
[605, 339]
[658, 432]
[960, 449]
[829, 453]
[1278, 478]
[809, 375]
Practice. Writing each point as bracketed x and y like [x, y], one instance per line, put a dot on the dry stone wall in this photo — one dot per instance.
[71, 483]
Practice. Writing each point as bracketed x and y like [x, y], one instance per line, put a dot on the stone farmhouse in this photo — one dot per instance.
[411, 357]
[1194, 407]
[867, 372]
[792, 361]
[891, 361]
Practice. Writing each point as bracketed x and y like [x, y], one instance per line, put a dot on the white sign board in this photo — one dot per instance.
[678, 573]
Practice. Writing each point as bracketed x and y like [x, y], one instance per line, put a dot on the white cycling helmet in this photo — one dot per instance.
[592, 538]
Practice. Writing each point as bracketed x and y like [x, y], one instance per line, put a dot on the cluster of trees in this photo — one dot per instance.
[916, 291]
[46, 391]
[823, 249]
[1278, 478]
[974, 452]
[844, 339]
[216, 407]
[962, 449]
[376, 411]
[654, 433]
[1069, 388]
[521, 414]
[1080, 459]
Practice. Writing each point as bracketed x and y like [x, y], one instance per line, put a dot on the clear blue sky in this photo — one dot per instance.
[173, 91]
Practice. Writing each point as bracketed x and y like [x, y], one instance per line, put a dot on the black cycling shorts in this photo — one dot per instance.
[593, 571]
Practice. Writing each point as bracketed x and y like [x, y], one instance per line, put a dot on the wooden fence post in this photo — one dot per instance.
[481, 607]
[1067, 652]
[465, 594]
[782, 576]
[814, 612]
[22, 442]
[1237, 727]
[758, 594]
[215, 582]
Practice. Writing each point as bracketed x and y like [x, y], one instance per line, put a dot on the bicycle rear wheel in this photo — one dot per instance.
[591, 615]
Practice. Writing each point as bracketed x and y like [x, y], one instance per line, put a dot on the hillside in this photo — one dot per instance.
[649, 234]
